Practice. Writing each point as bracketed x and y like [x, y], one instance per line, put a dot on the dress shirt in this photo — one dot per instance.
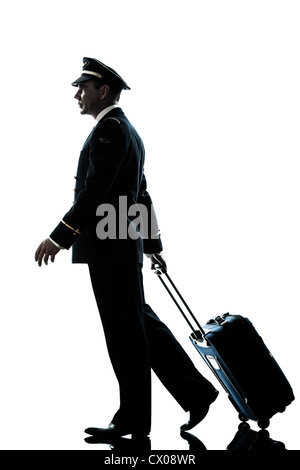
[105, 111]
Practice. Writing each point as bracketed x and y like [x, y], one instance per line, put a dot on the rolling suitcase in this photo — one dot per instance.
[239, 359]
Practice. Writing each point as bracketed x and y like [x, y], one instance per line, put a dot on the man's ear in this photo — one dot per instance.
[104, 91]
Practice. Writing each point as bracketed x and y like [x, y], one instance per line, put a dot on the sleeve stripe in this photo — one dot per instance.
[74, 229]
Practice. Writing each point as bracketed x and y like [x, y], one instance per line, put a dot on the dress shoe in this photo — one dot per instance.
[114, 431]
[199, 413]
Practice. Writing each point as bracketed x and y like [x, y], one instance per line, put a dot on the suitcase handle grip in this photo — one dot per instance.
[159, 273]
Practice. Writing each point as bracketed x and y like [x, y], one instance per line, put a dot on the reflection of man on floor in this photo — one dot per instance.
[111, 165]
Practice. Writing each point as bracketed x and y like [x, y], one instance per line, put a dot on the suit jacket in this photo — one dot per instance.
[111, 165]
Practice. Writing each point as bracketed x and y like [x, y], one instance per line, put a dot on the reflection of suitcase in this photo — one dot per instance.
[247, 439]
[239, 359]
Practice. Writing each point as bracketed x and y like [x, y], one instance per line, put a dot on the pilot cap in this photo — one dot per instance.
[93, 68]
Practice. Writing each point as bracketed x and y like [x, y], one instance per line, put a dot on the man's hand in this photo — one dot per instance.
[158, 261]
[45, 250]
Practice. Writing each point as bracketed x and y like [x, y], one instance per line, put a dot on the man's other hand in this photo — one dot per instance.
[158, 261]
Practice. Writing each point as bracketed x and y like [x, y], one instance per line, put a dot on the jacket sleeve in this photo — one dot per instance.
[151, 233]
[107, 153]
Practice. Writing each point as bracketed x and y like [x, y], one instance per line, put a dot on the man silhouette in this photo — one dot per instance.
[110, 167]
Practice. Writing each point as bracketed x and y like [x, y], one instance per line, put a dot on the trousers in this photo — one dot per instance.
[138, 342]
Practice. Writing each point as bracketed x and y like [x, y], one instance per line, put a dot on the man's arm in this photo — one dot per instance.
[106, 156]
[151, 240]
[151, 233]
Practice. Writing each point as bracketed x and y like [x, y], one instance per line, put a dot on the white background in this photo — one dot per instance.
[215, 96]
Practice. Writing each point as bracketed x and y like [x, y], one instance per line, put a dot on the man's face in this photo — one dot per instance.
[89, 99]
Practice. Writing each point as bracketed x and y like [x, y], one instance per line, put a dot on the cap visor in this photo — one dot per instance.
[83, 78]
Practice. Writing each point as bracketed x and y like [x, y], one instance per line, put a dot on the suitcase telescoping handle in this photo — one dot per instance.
[160, 272]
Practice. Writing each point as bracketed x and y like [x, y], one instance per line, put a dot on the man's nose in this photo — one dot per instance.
[78, 94]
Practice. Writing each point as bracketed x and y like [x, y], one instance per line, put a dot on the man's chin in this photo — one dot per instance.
[82, 109]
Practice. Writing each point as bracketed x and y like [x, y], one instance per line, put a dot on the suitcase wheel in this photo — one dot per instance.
[263, 423]
[242, 417]
[244, 426]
